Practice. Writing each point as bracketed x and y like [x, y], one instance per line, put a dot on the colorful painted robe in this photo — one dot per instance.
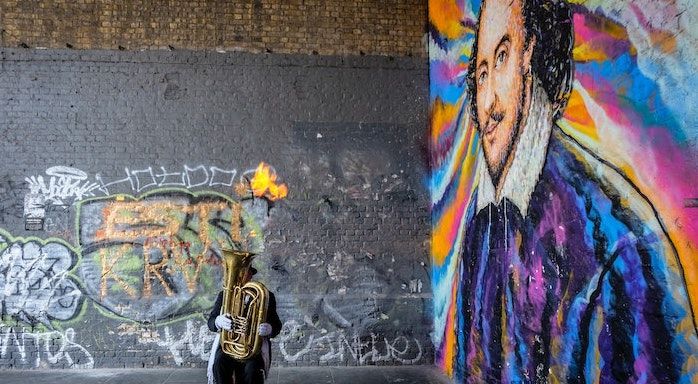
[583, 286]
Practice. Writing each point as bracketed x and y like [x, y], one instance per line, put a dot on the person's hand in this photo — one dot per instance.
[224, 322]
[264, 329]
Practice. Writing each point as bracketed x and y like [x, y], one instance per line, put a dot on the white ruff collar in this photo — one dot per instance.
[529, 155]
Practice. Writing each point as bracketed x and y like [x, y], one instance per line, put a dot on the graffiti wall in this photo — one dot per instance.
[143, 259]
[563, 154]
[126, 173]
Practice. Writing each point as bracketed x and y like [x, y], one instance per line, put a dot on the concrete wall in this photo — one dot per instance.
[327, 27]
[122, 173]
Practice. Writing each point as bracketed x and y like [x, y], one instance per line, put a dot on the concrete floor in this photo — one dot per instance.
[300, 375]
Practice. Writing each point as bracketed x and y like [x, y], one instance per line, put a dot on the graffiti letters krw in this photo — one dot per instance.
[151, 257]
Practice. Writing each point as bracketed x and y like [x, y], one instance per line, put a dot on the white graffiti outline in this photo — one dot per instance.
[64, 183]
[34, 282]
[164, 176]
[217, 171]
[104, 188]
[189, 172]
[67, 185]
[363, 351]
[137, 181]
[41, 347]
[196, 338]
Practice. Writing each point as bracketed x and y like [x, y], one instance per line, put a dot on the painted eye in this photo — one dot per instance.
[501, 57]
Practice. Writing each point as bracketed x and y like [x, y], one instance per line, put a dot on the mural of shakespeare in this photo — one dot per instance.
[565, 269]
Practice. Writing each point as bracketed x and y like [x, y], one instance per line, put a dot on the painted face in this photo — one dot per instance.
[502, 92]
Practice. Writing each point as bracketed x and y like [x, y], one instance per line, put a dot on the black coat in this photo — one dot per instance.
[272, 316]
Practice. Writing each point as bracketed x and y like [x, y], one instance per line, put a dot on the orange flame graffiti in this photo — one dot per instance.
[264, 184]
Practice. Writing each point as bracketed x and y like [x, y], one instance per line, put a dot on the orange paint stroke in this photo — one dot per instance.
[447, 225]
[264, 184]
[577, 115]
[450, 332]
[445, 16]
[666, 41]
[442, 117]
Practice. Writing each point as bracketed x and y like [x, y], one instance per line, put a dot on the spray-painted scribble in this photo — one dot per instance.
[561, 249]
[152, 257]
[11, 193]
[64, 186]
[297, 340]
[52, 349]
[195, 338]
[35, 283]
[139, 180]
[63, 183]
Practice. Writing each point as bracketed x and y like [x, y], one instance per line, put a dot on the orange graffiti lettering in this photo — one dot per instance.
[108, 271]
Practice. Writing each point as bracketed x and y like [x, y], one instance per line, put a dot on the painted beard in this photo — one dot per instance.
[496, 167]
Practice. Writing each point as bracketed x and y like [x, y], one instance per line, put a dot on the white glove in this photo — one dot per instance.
[224, 322]
[264, 329]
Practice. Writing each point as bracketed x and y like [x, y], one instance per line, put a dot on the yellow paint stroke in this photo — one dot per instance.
[584, 52]
[686, 250]
[264, 183]
[665, 41]
[442, 116]
[577, 115]
[445, 16]
[442, 240]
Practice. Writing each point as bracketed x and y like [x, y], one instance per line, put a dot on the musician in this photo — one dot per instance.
[253, 370]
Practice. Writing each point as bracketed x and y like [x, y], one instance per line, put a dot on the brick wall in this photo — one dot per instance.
[370, 27]
[117, 185]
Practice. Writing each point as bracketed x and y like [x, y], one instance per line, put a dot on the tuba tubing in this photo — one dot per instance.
[246, 304]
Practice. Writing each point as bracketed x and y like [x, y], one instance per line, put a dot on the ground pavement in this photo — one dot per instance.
[286, 375]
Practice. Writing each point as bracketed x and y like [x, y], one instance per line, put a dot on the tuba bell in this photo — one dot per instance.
[246, 304]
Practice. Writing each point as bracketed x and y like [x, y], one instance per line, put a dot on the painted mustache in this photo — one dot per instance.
[493, 122]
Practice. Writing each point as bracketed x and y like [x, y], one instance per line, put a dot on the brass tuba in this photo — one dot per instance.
[246, 304]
